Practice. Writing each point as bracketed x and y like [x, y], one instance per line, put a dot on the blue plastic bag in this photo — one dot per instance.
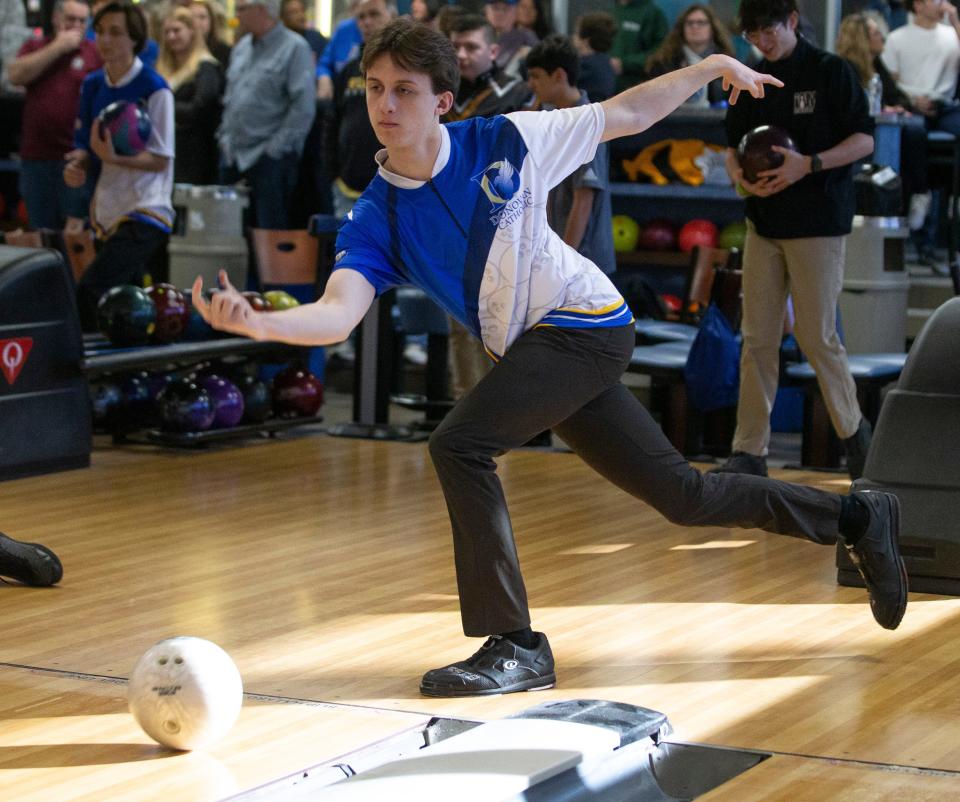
[712, 372]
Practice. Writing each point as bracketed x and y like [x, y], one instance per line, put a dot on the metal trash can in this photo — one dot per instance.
[873, 302]
[209, 234]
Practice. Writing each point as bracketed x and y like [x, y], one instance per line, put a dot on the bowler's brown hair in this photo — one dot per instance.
[415, 47]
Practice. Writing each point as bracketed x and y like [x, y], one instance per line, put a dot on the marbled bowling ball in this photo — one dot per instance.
[755, 151]
[128, 126]
[184, 406]
[126, 316]
[297, 393]
[173, 313]
[227, 400]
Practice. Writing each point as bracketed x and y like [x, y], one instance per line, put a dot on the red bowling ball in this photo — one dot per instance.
[658, 235]
[173, 313]
[297, 393]
[257, 302]
[700, 233]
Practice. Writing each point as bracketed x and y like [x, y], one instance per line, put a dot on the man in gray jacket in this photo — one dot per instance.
[268, 108]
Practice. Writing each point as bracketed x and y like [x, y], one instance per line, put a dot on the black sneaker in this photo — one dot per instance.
[877, 557]
[857, 446]
[500, 666]
[29, 563]
[742, 462]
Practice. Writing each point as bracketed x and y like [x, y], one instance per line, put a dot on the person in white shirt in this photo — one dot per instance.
[924, 57]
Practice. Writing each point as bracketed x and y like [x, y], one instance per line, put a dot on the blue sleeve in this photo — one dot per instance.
[356, 251]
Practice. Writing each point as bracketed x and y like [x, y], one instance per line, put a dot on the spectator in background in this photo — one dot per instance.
[923, 57]
[485, 88]
[212, 25]
[14, 33]
[293, 14]
[343, 47]
[52, 69]
[860, 41]
[641, 27]
[350, 144]
[696, 34]
[534, 15]
[268, 108]
[426, 11]
[131, 210]
[446, 17]
[593, 40]
[578, 208]
[196, 80]
[513, 42]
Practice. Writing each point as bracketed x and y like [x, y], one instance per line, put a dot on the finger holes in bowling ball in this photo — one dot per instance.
[162, 661]
[178, 660]
[171, 726]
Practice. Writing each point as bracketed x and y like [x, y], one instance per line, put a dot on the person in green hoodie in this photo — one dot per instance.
[641, 27]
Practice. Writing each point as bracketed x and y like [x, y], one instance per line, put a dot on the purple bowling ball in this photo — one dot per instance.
[227, 400]
[185, 406]
[128, 126]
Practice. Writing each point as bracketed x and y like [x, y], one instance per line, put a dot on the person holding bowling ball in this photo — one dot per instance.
[131, 211]
[459, 211]
[798, 217]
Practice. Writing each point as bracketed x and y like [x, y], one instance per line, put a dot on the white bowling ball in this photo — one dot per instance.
[185, 692]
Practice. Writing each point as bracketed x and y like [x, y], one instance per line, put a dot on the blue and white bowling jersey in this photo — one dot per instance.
[475, 236]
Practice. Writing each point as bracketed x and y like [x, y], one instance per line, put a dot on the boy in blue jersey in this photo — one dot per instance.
[458, 210]
[131, 210]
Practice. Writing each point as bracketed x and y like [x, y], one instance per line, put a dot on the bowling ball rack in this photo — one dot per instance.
[101, 358]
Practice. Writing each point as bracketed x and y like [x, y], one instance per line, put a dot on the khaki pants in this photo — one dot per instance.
[809, 269]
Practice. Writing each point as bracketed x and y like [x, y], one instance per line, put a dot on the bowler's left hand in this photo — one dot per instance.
[738, 77]
[795, 166]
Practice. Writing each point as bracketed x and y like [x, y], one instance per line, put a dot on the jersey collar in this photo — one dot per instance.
[128, 76]
[403, 182]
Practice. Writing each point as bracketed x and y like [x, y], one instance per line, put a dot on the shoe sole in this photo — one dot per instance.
[894, 535]
[540, 684]
[21, 561]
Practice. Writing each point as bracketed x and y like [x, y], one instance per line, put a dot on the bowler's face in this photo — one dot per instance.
[401, 104]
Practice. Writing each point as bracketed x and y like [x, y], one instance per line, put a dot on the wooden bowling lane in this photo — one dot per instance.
[66, 737]
[791, 777]
[324, 567]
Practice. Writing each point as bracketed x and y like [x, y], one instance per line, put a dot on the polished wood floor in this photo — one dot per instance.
[324, 567]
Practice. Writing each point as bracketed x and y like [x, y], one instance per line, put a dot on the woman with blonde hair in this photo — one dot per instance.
[211, 21]
[860, 40]
[197, 82]
[696, 34]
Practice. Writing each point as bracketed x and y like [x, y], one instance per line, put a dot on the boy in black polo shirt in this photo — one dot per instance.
[798, 217]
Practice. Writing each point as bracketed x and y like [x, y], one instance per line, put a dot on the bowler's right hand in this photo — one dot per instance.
[227, 309]
[75, 169]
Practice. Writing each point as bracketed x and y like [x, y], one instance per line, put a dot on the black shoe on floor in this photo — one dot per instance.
[29, 563]
[857, 446]
[877, 557]
[742, 462]
[500, 666]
